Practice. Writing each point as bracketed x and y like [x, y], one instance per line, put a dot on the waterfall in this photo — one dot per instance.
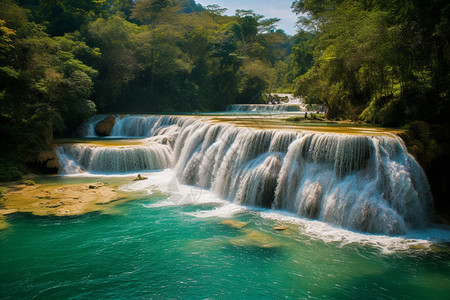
[87, 129]
[80, 158]
[141, 126]
[359, 182]
[265, 107]
[129, 126]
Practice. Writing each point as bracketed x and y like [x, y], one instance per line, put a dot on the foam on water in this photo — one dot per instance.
[414, 240]
[184, 195]
[225, 211]
[165, 182]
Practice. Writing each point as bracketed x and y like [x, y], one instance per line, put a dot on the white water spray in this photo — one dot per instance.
[363, 183]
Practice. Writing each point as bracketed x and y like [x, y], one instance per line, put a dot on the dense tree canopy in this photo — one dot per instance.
[379, 61]
[63, 60]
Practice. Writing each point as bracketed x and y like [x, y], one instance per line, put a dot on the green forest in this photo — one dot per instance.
[61, 61]
[378, 61]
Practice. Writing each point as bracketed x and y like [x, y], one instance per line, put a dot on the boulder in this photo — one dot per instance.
[279, 228]
[45, 162]
[140, 177]
[104, 127]
[234, 223]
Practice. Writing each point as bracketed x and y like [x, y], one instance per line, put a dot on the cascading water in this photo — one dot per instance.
[363, 183]
[265, 107]
[79, 158]
[141, 126]
[129, 126]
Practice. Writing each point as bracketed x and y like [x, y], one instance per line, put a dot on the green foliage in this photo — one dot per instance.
[295, 119]
[302, 55]
[28, 182]
[45, 86]
[378, 61]
[9, 171]
[62, 60]
[131, 56]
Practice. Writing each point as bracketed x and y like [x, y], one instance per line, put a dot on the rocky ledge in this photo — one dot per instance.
[62, 200]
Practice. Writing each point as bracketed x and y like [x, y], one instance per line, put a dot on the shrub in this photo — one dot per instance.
[9, 171]
[294, 119]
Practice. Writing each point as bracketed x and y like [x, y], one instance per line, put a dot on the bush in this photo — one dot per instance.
[9, 171]
[314, 116]
[295, 119]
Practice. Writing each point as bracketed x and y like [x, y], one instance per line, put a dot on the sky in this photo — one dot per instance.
[268, 8]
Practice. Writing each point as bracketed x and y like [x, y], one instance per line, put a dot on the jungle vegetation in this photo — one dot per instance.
[378, 61]
[62, 61]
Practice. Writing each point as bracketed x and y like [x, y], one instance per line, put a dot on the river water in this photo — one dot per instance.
[184, 237]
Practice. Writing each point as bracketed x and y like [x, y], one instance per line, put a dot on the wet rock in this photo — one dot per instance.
[140, 177]
[279, 228]
[253, 238]
[234, 223]
[96, 185]
[44, 162]
[104, 127]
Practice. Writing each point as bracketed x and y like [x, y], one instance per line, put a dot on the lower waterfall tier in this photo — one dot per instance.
[359, 182]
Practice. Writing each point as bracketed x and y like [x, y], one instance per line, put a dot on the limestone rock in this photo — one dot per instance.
[234, 223]
[279, 228]
[253, 238]
[44, 162]
[62, 200]
[49, 158]
[104, 127]
[140, 177]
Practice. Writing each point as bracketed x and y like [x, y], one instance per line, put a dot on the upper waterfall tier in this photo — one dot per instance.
[360, 182]
[129, 126]
[265, 107]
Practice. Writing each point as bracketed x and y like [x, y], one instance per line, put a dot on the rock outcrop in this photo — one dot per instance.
[44, 162]
[104, 127]
[430, 147]
[62, 200]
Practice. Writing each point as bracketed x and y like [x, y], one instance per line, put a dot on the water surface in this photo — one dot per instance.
[176, 247]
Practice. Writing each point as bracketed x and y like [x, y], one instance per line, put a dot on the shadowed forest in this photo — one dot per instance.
[380, 62]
